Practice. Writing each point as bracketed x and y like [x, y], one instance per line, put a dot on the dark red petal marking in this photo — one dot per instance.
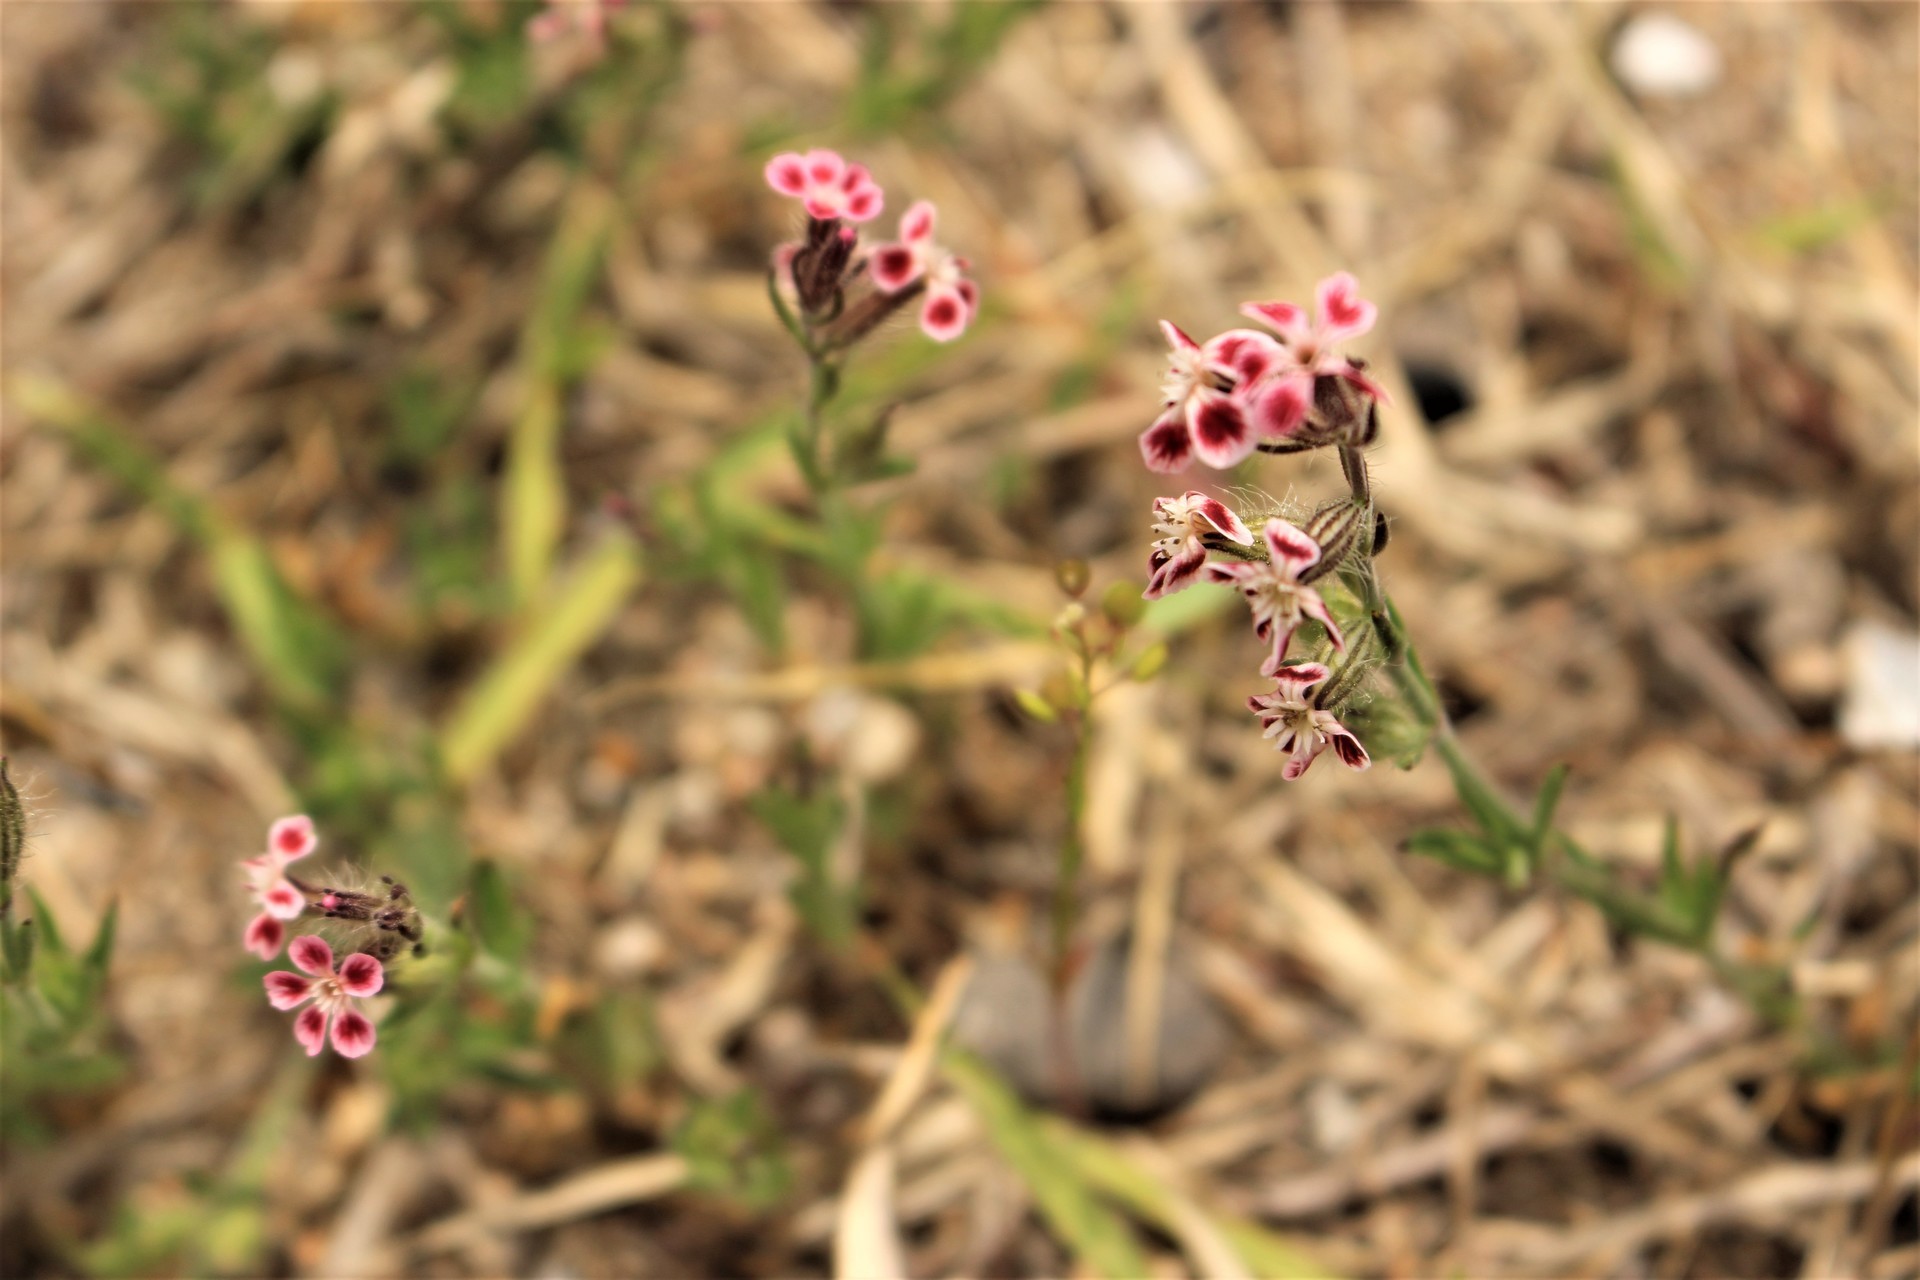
[918, 222]
[1301, 674]
[1166, 445]
[312, 954]
[1348, 748]
[361, 975]
[1289, 547]
[894, 267]
[285, 990]
[310, 1028]
[352, 1034]
[1218, 425]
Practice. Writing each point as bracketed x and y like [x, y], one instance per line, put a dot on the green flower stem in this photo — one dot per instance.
[1066, 886]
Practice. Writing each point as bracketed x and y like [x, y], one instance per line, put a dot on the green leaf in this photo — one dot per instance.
[499, 922]
[733, 1150]
[51, 943]
[1108, 1168]
[101, 952]
[1459, 850]
[1544, 805]
[551, 356]
[1099, 1237]
[806, 828]
[504, 698]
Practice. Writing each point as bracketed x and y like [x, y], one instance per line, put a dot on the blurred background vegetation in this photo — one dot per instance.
[395, 431]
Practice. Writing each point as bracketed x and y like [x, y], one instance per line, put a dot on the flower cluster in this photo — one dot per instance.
[1287, 391]
[1243, 389]
[821, 272]
[377, 925]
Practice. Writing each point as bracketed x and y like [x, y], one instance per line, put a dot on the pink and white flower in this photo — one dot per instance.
[332, 994]
[1205, 411]
[1281, 403]
[827, 186]
[1178, 553]
[1280, 600]
[288, 841]
[588, 17]
[1300, 728]
[952, 299]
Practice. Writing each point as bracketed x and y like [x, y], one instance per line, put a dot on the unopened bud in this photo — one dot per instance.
[821, 263]
[1035, 705]
[1073, 577]
[1122, 605]
[13, 833]
[1149, 664]
[1337, 528]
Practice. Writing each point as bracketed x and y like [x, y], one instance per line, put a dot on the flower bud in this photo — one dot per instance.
[1122, 605]
[1337, 527]
[13, 833]
[1073, 577]
[1036, 705]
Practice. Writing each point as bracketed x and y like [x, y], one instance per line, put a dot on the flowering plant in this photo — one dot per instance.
[1342, 666]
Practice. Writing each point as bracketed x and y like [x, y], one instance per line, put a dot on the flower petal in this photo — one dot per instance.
[1279, 406]
[310, 1028]
[1234, 573]
[944, 315]
[1299, 762]
[1167, 446]
[1220, 516]
[916, 224]
[1244, 353]
[285, 990]
[312, 954]
[824, 168]
[264, 936]
[1176, 572]
[282, 900]
[1290, 321]
[1221, 434]
[1314, 607]
[1177, 338]
[894, 267]
[823, 205]
[352, 1034]
[1291, 682]
[787, 174]
[1343, 312]
[1283, 630]
[291, 838]
[361, 975]
[1292, 550]
[1346, 746]
[864, 204]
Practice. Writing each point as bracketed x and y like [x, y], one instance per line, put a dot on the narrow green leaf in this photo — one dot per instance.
[1099, 1237]
[506, 694]
[1108, 1168]
[551, 356]
[50, 940]
[101, 952]
[1458, 849]
[1544, 805]
[502, 927]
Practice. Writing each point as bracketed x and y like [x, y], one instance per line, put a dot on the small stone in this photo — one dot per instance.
[1660, 56]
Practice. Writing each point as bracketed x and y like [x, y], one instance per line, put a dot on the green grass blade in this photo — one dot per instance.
[1100, 1238]
[504, 698]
